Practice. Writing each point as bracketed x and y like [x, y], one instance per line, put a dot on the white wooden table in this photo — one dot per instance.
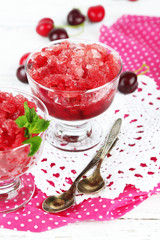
[18, 20]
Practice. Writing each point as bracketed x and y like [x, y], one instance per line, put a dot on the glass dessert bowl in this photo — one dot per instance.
[16, 188]
[77, 80]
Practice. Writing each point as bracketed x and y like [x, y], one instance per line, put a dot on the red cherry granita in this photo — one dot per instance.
[11, 107]
[13, 160]
[76, 81]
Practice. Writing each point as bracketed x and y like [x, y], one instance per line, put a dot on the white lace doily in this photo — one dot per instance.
[134, 160]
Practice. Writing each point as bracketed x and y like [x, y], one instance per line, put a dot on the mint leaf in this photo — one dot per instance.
[39, 126]
[33, 124]
[30, 113]
[26, 133]
[22, 121]
[35, 143]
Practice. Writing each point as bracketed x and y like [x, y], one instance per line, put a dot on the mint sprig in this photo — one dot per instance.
[33, 124]
[35, 143]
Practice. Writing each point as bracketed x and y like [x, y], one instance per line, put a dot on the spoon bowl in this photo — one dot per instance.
[91, 184]
[54, 204]
[58, 203]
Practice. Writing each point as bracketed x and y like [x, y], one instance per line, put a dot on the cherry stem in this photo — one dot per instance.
[139, 69]
[76, 26]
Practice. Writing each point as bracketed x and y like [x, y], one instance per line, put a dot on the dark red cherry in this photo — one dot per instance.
[21, 74]
[75, 17]
[57, 33]
[128, 82]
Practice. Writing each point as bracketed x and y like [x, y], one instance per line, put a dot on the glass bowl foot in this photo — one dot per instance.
[78, 137]
[16, 193]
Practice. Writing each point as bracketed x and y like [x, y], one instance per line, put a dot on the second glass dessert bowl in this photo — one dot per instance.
[16, 187]
[77, 81]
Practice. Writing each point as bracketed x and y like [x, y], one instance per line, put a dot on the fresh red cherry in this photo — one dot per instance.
[23, 58]
[43, 28]
[128, 82]
[96, 13]
[49, 20]
[21, 74]
[57, 33]
[75, 17]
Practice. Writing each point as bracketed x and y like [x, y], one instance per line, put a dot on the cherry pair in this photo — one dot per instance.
[94, 14]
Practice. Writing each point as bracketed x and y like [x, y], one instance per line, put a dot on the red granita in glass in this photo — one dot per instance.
[14, 159]
[76, 81]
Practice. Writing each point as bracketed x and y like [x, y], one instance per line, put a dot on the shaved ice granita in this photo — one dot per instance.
[77, 81]
[11, 136]
[16, 188]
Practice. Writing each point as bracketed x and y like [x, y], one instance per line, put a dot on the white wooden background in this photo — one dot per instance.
[18, 19]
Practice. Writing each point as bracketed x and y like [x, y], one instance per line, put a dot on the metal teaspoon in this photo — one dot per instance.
[54, 204]
[95, 182]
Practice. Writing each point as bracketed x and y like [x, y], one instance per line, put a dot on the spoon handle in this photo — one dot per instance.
[104, 149]
[111, 137]
[106, 152]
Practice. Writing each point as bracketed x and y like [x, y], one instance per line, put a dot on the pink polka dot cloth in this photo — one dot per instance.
[137, 39]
